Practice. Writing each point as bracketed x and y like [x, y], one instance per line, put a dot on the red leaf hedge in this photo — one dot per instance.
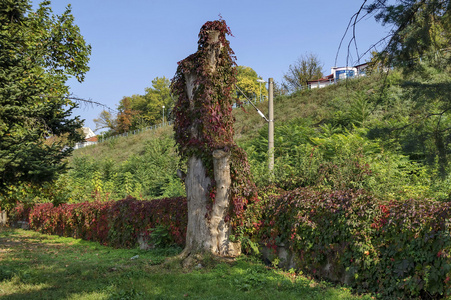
[398, 249]
[113, 223]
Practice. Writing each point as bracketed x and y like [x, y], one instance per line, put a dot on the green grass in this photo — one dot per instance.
[121, 148]
[314, 104]
[36, 266]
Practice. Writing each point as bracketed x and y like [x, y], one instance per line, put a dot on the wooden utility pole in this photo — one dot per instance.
[271, 124]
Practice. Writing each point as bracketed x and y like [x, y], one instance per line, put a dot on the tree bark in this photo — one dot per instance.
[196, 184]
[219, 228]
[207, 230]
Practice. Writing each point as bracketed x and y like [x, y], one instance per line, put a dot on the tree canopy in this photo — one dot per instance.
[138, 111]
[247, 84]
[419, 28]
[39, 51]
[307, 67]
[418, 44]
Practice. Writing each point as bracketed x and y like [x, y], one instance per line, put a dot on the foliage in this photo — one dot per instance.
[145, 110]
[415, 115]
[156, 97]
[205, 123]
[19, 213]
[396, 249]
[247, 83]
[307, 67]
[125, 116]
[114, 223]
[335, 158]
[160, 237]
[39, 52]
[139, 111]
[57, 192]
[419, 28]
[142, 166]
[105, 121]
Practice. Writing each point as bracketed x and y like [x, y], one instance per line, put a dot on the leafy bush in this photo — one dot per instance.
[397, 249]
[149, 173]
[114, 223]
[19, 213]
[336, 158]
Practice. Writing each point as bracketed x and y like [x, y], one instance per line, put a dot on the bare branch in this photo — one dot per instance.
[91, 102]
[352, 23]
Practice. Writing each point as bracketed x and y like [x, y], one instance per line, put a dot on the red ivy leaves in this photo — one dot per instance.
[209, 115]
[352, 230]
[114, 223]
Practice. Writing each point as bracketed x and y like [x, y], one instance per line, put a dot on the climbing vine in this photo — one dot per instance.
[205, 124]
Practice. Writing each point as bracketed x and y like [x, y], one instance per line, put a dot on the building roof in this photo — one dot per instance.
[323, 79]
[92, 139]
[87, 132]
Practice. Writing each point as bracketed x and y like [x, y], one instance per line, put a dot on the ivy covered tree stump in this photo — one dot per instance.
[218, 182]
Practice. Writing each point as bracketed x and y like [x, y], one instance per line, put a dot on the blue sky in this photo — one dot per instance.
[137, 40]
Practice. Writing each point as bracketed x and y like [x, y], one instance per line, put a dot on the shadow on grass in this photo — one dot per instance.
[36, 266]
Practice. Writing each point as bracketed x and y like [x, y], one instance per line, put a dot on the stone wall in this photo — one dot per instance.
[3, 218]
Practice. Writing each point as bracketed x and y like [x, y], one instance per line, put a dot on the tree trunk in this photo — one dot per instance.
[196, 184]
[202, 77]
[208, 231]
[219, 228]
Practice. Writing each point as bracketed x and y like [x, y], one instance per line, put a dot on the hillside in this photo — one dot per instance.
[313, 104]
[371, 133]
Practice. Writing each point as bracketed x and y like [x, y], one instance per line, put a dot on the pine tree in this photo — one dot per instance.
[38, 53]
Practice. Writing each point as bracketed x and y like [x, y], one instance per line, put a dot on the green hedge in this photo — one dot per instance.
[394, 249]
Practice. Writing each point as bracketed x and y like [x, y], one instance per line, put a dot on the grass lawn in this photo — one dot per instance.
[36, 266]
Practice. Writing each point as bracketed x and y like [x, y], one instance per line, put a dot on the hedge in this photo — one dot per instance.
[113, 223]
[397, 249]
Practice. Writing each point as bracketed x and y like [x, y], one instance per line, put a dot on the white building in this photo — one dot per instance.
[338, 73]
[90, 138]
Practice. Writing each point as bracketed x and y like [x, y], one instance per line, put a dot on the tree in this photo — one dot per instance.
[307, 67]
[106, 121]
[218, 183]
[279, 89]
[138, 111]
[419, 28]
[247, 84]
[156, 97]
[38, 53]
[418, 44]
[126, 116]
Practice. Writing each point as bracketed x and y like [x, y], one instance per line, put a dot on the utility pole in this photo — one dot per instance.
[260, 81]
[271, 124]
[270, 121]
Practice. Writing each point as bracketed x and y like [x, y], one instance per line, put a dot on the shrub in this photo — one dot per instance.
[338, 159]
[117, 224]
[19, 213]
[130, 217]
[395, 249]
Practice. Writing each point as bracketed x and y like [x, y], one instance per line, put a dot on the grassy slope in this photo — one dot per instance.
[36, 266]
[311, 103]
[122, 148]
